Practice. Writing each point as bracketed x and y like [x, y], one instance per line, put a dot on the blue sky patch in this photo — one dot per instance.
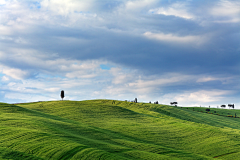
[35, 5]
[105, 67]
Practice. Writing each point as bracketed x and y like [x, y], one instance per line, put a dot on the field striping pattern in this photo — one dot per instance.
[101, 129]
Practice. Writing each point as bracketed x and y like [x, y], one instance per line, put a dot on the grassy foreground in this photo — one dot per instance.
[106, 129]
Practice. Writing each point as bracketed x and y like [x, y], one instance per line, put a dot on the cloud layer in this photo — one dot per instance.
[186, 51]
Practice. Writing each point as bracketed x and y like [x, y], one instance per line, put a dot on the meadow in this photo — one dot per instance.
[107, 129]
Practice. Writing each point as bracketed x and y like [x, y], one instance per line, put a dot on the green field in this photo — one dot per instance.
[107, 129]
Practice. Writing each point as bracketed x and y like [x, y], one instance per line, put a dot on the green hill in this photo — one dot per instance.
[107, 129]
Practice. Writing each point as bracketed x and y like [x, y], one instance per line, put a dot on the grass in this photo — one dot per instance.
[106, 129]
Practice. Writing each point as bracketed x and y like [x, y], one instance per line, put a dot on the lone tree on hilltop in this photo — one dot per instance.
[62, 94]
[135, 101]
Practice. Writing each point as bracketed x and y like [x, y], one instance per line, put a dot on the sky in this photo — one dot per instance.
[186, 51]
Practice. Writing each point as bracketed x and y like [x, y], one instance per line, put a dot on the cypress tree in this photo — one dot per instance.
[62, 94]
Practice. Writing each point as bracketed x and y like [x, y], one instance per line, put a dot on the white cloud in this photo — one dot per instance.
[87, 69]
[206, 79]
[3, 2]
[154, 83]
[228, 9]
[224, 80]
[197, 40]
[80, 74]
[12, 84]
[5, 30]
[2, 55]
[52, 89]
[5, 78]
[48, 64]
[139, 4]
[64, 7]
[120, 77]
[26, 97]
[15, 73]
[133, 83]
[176, 9]
[202, 96]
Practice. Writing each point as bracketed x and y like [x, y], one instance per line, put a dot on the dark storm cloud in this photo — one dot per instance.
[135, 50]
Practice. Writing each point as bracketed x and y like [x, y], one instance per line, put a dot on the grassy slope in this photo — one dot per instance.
[98, 129]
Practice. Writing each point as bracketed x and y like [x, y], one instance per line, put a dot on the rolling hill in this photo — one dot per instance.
[107, 129]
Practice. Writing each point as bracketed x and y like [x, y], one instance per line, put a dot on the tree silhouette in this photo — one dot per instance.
[172, 103]
[62, 94]
[223, 106]
[231, 105]
[135, 101]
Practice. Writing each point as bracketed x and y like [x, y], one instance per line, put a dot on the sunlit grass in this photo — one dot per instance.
[101, 129]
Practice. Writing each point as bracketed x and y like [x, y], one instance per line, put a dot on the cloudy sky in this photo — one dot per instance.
[156, 50]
